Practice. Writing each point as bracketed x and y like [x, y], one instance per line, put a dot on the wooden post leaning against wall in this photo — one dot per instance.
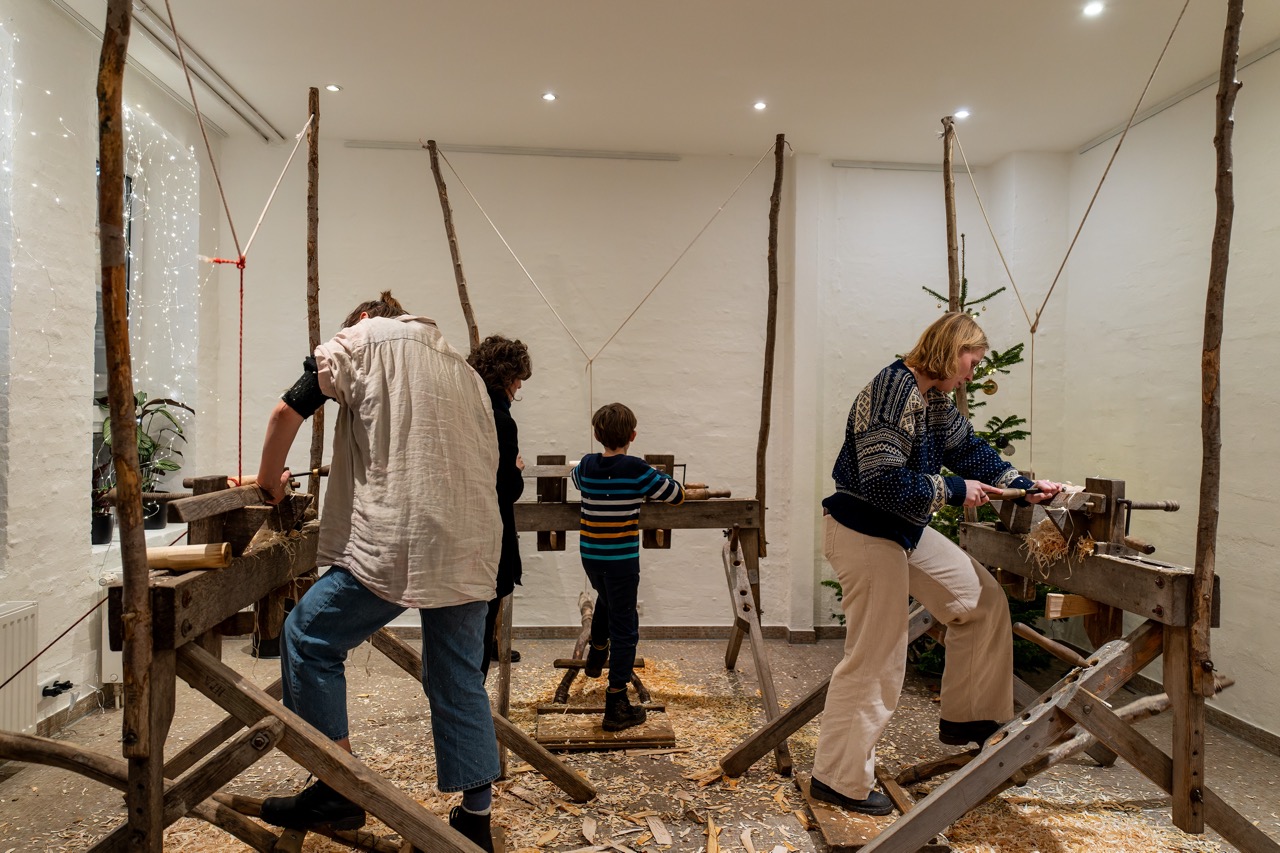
[313, 277]
[770, 338]
[473, 332]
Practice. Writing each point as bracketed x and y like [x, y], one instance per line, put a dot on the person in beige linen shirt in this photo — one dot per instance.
[410, 520]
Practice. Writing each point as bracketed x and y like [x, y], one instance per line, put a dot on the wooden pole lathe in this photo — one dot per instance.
[473, 332]
[770, 337]
[313, 276]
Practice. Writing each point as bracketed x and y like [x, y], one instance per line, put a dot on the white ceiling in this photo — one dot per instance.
[849, 79]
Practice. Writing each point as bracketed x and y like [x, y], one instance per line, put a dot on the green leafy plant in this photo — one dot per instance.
[158, 433]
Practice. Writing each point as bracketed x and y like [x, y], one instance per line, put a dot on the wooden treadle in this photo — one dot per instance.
[844, 830]
[578, 728]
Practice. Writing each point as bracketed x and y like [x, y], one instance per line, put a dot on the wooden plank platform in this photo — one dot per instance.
[578, 728]
[844, 830]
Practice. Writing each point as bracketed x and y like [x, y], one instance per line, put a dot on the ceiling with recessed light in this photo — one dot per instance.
[848, 79]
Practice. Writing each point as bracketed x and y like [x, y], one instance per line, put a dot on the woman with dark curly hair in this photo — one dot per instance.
[504, 365]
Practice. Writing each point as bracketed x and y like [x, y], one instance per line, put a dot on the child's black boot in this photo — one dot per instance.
[619, 713]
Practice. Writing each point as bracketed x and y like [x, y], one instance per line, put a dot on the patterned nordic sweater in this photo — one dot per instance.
[613, 487]
[888, 474]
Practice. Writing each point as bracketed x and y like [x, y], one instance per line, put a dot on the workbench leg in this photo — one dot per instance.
[504, 672]
[740, 571]
[144, 797]
[1187, 706]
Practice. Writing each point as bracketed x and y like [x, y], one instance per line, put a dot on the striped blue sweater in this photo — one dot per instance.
[613, 488]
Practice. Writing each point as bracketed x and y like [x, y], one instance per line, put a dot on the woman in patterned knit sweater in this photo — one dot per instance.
[903, 428]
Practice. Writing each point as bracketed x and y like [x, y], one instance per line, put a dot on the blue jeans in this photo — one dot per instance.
[615, 618]
[339, 613]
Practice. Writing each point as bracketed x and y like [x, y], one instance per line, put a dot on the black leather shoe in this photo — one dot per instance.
[315, 805]
[596, 659]
[963, 734]
[875, 803]
[619, 713]
[474, 826]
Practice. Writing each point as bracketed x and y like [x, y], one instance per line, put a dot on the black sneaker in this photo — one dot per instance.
[875, 803]
[596, 659]
[493, 654]
[313, 806]
[963, 734]
[619, 713]
[474, 826]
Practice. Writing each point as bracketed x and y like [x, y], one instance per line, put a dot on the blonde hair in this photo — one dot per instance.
[937, 353]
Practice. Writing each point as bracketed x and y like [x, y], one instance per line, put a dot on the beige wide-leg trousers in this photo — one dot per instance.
[877, 576]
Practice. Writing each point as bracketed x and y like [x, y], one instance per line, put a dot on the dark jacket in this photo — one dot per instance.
[510, 487]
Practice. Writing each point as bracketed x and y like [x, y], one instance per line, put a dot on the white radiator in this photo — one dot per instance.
[18, 638]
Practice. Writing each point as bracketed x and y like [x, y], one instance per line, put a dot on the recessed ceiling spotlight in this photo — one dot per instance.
[961, 113]
[550, 96]
[1092, 10]
[760, 105]
[334, 87]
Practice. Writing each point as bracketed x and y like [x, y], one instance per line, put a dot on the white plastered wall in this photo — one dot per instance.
[49, 298]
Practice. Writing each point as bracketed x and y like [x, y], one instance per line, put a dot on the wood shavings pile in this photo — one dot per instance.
[1044, 544]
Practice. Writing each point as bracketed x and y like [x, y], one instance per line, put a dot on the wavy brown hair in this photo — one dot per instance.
[385, 305]
[501, 361]
[937, 353]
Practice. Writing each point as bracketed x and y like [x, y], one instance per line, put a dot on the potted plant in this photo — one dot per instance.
[102, 520]
[158, 431]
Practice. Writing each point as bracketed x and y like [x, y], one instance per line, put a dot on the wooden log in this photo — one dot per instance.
[949, 202]
[113, 772]
[316, 752]
[208, 505]
[770, 338]
[586, 608]
[186, 558]
[1059, 605]
[473, 333]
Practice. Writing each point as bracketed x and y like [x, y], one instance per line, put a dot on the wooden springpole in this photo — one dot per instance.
[770, 339]
[953, 255]
[142, 730]
[1210, 362]
[313, 276]
[472, 331]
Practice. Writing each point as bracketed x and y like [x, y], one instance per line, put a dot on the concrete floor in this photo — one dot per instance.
[711, 709]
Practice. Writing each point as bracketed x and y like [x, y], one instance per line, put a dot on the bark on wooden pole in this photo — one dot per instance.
[472, 331]
[949, 194]
[313, 275]
[770, 338]
[115, 318]
[1210, 363]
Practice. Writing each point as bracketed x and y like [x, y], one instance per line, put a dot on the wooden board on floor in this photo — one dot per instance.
[575, 729]
[845, 830]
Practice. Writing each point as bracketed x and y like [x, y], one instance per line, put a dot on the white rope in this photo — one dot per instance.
[686, 250]
[514, 256]
[271, 197]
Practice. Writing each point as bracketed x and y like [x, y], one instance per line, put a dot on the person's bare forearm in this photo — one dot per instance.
[282, 428]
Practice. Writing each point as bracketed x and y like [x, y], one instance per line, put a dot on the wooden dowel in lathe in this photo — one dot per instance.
[1139, 545]
[181, 558]
[703, 494]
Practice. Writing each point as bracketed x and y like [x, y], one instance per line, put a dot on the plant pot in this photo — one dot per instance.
[103, 526]
[153, 515]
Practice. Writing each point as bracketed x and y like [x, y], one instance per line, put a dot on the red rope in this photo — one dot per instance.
[55, 639]
[239, 262]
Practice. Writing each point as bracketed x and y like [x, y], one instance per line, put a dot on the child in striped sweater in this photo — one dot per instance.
[613, 486]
